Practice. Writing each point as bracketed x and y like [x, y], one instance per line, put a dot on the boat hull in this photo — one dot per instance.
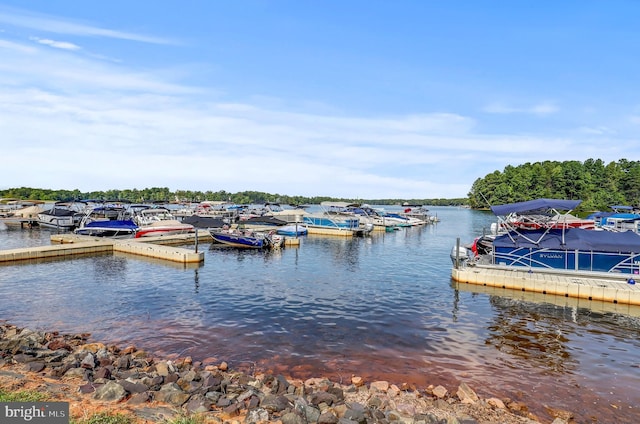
[238, 240]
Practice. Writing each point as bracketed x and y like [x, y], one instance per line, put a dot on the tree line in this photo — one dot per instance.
[597, 184]
[164, 195]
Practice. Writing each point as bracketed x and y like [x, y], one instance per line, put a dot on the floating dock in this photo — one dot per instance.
[592, 286]
[70, 245]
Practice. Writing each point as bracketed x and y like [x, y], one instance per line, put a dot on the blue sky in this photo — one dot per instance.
[357, 99]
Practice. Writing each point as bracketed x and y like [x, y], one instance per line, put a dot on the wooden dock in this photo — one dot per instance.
[592, 286]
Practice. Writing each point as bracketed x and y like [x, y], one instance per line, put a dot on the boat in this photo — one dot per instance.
[62, 215]
[551, 258]
[205, 222]
[157, 221]
[20, 209]
[542, 238]
[372, 217]
[333, 220]
[290, 214]
[245, 238]
[292, 230]
[419, 212]
[107, 220]
[227, 211]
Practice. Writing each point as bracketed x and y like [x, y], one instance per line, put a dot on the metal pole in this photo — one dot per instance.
[457, 252]
[196, 240]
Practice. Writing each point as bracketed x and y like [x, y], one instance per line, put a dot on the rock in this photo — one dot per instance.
[133, 387]
[198, 403]
[559, 413]
[357, 381]
[327, 418]
[170, 393]
[292, 418]
[35, 366]
[111, 391]
[496, 403]
[92, 347]
[466, 394]
[257, 415]
[88, 362]
[139, 398]
[440, 392]
[380, 386]
[273, 403]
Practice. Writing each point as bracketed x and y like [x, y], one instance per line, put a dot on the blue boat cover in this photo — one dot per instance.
[535, 206]
[574, 239]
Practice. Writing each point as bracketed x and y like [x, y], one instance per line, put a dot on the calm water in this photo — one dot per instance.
[382, 307]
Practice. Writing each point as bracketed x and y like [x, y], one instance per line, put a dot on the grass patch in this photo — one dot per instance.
[104, 418]
[22, 396]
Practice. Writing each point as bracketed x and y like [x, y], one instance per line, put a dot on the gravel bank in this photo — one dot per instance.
[94, 377]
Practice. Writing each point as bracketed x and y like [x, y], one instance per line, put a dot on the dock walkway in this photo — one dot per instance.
[74, 245]
[596, 286]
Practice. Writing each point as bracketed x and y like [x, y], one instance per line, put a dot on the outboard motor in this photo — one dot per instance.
[462, 256]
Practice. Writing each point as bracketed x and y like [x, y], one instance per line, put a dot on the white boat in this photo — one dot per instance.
[107, 221]
[290, 214]
[62, 216]
[16, 208]
[157, 221]
[332, 220]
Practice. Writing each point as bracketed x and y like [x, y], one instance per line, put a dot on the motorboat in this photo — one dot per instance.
[157, 221]
[107, 221]
[246, 239]
[292, 230]
[62, 216]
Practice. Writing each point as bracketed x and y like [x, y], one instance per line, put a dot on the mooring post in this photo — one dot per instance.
[196, 240]
[457, 251]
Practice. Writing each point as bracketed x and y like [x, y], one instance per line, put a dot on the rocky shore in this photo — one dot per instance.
[94, 377]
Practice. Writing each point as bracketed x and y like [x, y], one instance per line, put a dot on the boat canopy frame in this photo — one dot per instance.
[539, 213]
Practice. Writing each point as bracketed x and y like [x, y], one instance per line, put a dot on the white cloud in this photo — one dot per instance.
[540, 109]
[57, 44]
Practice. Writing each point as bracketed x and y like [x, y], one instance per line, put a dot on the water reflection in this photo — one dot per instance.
[531, 334]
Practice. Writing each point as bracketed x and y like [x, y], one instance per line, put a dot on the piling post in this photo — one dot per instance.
[457, 252]
[197, 240]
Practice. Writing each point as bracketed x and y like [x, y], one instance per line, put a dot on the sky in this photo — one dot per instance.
[358, 99]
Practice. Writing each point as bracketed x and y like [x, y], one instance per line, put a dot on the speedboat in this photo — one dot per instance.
[107, 221]
[245, 239]
[62, 216]
[157, 221]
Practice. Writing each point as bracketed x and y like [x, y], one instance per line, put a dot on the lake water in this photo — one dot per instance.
[381, 307]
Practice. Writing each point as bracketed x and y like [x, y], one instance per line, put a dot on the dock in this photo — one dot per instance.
[164, 248]
[591, 286]
[73, 245]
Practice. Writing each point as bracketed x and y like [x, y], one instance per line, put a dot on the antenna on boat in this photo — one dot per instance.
[485, 199]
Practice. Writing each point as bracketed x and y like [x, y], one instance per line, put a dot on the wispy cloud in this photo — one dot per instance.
[52, 24]
[57, 44]
[545, 108]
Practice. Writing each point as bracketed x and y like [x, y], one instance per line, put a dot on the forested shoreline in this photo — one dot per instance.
[597, 184]
[163, 194]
